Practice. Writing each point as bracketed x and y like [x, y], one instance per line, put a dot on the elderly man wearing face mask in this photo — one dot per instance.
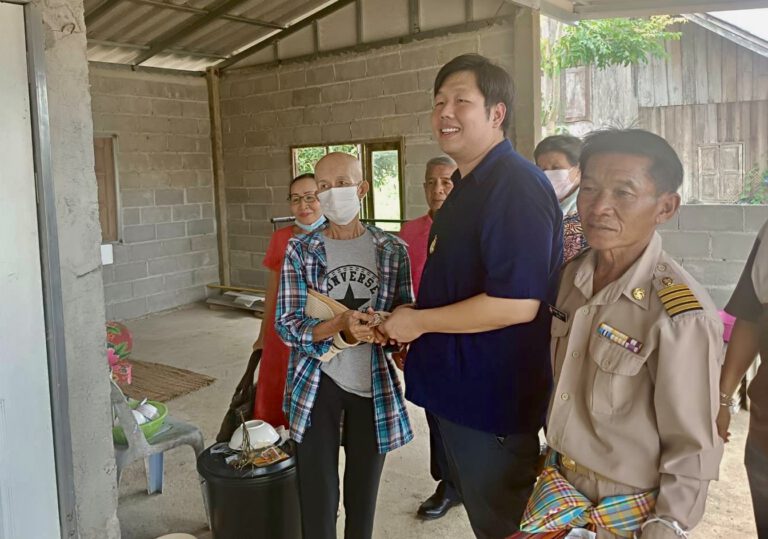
[366, 270]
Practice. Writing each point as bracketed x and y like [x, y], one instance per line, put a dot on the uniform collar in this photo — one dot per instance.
[484, 167]
[639, 277]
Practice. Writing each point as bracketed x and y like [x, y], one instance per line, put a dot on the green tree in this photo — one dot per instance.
[307, 157]
[608, 42]
[755, 185]
[385, 168]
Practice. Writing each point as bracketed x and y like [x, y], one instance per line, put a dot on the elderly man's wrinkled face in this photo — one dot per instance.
[437, 185]
[618, 202]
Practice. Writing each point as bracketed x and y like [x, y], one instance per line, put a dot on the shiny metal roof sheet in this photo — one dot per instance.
[124, 30]
[128, 29]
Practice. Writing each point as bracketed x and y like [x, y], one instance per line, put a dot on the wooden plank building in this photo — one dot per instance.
[709, 99]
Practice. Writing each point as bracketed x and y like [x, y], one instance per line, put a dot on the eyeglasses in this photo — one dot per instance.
[308, 199]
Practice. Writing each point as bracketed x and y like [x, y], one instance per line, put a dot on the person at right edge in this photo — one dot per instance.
[749, 304]
[636, 350]
[479, 355]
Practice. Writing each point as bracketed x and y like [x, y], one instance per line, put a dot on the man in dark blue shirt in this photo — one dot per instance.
[479, 353]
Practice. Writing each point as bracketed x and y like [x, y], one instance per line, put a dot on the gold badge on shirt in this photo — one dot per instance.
[433, 245]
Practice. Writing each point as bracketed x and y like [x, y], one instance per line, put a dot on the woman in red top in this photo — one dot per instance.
[274, 360]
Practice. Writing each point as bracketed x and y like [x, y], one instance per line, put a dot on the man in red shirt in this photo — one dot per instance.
[437, 185]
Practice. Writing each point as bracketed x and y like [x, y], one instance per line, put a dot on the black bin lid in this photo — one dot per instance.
[214, 465]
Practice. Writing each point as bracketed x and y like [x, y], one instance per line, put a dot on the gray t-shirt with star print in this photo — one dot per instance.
[352, 279]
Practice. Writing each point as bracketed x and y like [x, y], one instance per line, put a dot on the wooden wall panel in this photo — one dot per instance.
[714, 68]
[674, 66]
[702, 68]
[688, 127]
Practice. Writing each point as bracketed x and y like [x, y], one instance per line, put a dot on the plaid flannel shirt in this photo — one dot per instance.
[304, 267]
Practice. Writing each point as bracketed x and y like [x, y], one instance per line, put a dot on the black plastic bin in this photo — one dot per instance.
[252, 503]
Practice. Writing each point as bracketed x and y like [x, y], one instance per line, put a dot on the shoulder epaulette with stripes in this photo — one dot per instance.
[678, 299]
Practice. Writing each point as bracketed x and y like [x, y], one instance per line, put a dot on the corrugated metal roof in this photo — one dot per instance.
[195, 34]
[121, 31]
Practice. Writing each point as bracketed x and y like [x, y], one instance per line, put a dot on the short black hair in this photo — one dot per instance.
[493, 81]
[567, 145]
[666, 169]
[305, 176]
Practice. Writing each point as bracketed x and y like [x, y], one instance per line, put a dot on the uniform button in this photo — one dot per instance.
[565, 396]
[585, 310]
[575, 354]
[661, 267]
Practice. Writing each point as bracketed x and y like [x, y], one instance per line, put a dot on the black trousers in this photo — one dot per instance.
[494, 475]
[318, 465]
[438, 461]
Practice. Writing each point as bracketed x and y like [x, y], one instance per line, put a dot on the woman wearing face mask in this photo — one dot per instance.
[305, 207]
[363, 268]
[558, 156]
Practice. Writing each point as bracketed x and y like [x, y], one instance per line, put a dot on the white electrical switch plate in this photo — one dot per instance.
[106, 254]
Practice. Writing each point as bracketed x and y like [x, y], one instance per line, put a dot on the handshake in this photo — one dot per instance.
[367, 326]
[377, 327]
[397, 328]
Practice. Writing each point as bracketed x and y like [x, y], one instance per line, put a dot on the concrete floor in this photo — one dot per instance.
[217, 343]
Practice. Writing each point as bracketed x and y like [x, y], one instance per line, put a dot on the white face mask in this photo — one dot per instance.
[561, 181]
[340, 204]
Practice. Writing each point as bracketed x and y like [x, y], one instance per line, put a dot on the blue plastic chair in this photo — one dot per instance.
[173, 434]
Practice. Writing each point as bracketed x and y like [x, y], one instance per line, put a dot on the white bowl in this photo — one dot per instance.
[260, 433]
[139, 417]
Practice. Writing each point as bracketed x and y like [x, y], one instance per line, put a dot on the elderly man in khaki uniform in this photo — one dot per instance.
[636, 351]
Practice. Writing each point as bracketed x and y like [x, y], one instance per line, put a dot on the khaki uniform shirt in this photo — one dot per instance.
[638, 403]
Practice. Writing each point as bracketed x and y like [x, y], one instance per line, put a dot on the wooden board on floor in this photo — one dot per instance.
[159, 382]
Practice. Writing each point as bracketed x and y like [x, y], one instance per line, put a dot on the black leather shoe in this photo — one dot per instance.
[437, 505]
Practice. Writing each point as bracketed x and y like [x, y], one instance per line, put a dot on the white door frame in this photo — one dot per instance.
[50, 268]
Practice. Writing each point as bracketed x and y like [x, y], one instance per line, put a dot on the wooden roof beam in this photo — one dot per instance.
[181, 52]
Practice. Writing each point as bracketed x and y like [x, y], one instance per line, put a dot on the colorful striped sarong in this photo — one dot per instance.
[556, 505]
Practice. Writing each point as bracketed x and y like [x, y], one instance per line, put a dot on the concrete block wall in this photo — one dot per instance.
[167, 251]
[712, 242]
[383, 93]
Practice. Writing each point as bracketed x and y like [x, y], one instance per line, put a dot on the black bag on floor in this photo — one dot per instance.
[241, 406]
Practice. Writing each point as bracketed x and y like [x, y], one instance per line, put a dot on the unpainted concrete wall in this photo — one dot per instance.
[712, 242]
[81, 278]
[382, 93]
[168, 252]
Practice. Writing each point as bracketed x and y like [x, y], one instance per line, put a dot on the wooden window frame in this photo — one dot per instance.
[585, 117]
[113, 192]
[367, 147]
[720, 197]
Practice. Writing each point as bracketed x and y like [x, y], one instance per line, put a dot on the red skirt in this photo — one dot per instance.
[273, 369]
